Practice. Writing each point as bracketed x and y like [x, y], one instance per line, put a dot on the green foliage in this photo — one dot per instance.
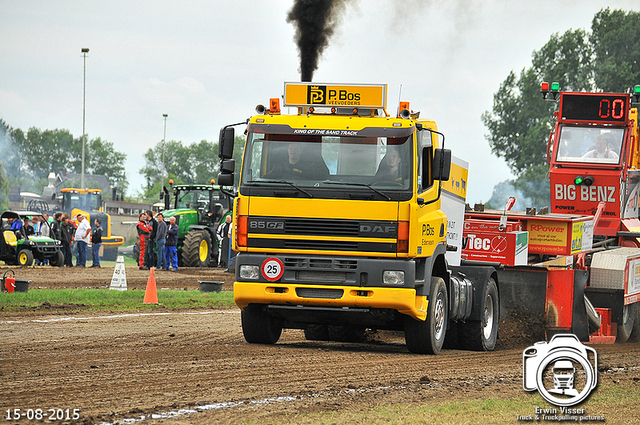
[32, 156]
[616, 39]
[185, 164]
[520, 121]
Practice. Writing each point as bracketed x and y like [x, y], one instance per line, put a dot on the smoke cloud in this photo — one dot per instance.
[314, 21]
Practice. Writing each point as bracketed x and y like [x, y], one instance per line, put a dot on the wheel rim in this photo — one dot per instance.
[487, 317]
[439, 317]
[204, 250]
[22, 258]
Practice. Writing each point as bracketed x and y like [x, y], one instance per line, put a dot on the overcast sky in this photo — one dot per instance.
[209, 63]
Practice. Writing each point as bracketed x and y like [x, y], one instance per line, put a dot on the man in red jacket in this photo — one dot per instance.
[143, 234]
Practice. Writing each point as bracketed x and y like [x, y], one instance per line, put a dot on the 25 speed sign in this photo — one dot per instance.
[272, 269]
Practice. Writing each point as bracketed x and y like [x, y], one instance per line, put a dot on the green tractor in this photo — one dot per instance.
[199, 209]
[17, 247]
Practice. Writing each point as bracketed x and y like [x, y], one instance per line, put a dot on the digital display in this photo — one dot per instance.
[612, 108]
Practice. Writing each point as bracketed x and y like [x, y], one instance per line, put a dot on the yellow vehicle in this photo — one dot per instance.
[88, 202]
[339, 225]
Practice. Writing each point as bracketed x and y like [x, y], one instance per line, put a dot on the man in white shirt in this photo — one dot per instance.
[82, 237]
[602, 149]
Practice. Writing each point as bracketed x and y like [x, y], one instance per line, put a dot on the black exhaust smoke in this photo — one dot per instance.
[315, 21]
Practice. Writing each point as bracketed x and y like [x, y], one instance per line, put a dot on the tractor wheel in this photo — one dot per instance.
[481, 335]
[196, 249]
[57, 260]
[25, 258]
[626, 327]
[427, 337]
[315, 332]
[342, 333]
[259, 327]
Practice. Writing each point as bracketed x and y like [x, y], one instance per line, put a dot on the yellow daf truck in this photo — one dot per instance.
[339, 224]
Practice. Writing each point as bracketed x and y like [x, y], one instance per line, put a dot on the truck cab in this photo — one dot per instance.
[338, 221]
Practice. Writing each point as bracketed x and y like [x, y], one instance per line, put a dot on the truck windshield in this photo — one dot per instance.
[590, 144]
[383, 163]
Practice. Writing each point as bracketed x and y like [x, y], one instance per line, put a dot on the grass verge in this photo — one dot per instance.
[109, 300]
[615, 403]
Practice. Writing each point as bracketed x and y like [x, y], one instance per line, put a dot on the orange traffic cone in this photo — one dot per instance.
[151, 293]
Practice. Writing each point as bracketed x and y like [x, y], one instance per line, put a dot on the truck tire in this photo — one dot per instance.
[626, 327]
[315, 332]
[635, 334]
[481, 335]
[196, 249]
[57, 260]
[25, 258]
[342, 333]
[427, 337]
[259, 327]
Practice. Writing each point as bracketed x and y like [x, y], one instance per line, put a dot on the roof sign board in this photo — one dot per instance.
[370, 96]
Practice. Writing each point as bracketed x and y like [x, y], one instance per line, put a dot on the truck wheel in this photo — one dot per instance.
[259, 327]
[427, 337]
[57, 260]
[25, 258]
[196, 249]
[626, 327]
[481, 335]
[315, 332]
[346, 333]
[635, 334]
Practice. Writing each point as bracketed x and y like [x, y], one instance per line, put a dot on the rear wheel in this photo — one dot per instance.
[259, 327]
[427, 337]
[315, 332]
[635, 335]
[57, 260]
[25, 258]
[626, 327]
[481, 335]
[342, 333]
[196, 249]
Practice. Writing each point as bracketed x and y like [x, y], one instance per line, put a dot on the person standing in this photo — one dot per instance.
[143, 235]
[82, 238]
[44, 225]
[172, 244]
[67, 231]
[150, 260]
[223, 235]
[96, 243]
[161, 236]
[56, 228]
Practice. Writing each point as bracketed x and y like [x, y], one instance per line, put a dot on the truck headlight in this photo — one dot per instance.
[393, 277]
[249, 272]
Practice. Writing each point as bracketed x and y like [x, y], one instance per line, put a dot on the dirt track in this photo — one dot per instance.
[118, 366]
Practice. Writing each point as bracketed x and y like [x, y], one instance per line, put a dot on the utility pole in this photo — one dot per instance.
[164, 141]
[84, 88]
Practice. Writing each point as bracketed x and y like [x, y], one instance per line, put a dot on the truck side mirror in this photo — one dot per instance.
[225, 144]
[225, 179]
[441, 169]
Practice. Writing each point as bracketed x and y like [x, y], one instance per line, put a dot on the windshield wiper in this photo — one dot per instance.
[282, 182]
[361, 185]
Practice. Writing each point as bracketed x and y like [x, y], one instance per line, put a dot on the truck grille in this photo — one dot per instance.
[328, 294]
[298, 226]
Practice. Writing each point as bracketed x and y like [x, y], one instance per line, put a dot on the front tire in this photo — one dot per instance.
[57, 260]
[427, 337]
[25, 258]
[481, 335]
[259, 327]
[196, 249]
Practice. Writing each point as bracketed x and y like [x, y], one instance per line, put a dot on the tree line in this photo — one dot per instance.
[195, 163]
[607, 59]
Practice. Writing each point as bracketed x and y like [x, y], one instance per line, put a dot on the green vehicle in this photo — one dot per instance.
[18, 248]
[199, 209]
